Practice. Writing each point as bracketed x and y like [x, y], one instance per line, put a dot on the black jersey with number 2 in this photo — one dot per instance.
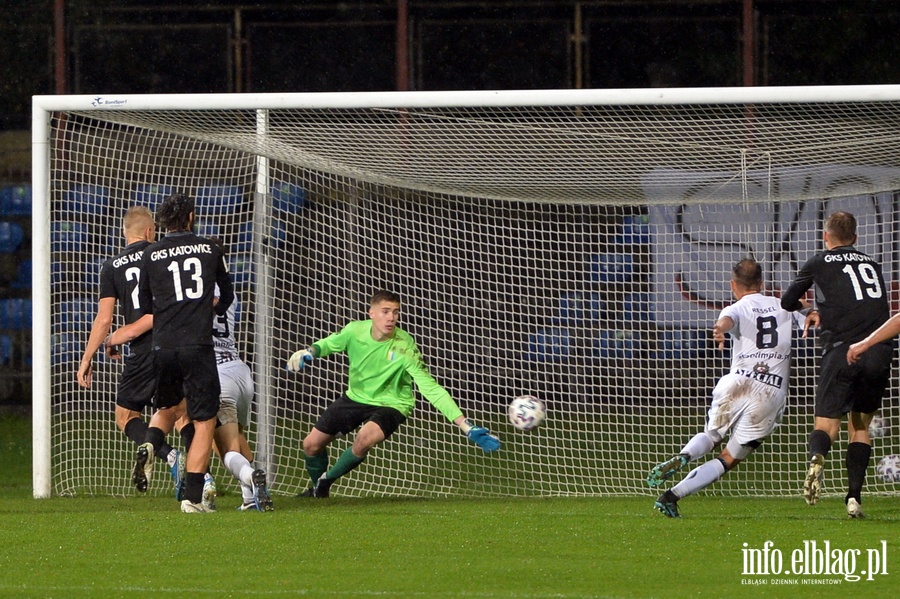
[181, 272]
[850, 293]
[120, 277]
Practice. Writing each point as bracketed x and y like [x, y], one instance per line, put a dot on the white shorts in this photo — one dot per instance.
[748, 409]
[236, 381]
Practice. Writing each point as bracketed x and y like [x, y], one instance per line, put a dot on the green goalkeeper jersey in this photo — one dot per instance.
[382, 372]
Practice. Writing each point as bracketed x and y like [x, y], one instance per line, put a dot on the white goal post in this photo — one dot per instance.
[575, 245]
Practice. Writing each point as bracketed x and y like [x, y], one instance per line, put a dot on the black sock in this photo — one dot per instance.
[187, 435]
[157, 437]
[193, 487]
[136, 430]
[858, 455]
[819, 442]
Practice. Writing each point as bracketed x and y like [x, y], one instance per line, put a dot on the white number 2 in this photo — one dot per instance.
[869, 279]
[195, 292]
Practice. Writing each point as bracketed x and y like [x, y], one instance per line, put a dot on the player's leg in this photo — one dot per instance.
[718, 421]
[859, 453]
[875, 366]
[200, 383]
[340, 417]
[832, 401]
[380, 424]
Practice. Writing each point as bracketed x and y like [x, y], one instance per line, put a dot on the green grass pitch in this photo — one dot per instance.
[559, 548]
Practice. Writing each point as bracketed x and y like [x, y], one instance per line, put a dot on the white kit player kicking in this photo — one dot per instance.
[749, 401]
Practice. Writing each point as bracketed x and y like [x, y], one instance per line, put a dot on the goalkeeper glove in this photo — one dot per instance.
[483, 438]
[300, 359]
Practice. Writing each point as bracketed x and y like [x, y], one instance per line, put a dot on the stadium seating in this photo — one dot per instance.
[23, 276]
[218, 200]
[7, 351]
[85, 199]
[578, 309]
[68, 236]
[15, 200]
[549, 345]
[638, 307]
[288, 197]
[634, 230]
[150, 194]
[11, 236]
[240, 267]
[681, 344]
[612, 267]
[618, 343]
[15, 314]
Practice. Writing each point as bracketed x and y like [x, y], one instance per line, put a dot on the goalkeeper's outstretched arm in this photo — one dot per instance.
[478, 434]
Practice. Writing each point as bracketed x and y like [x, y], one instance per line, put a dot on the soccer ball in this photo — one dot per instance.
[889, 469]
[878, 428]
[526, 412]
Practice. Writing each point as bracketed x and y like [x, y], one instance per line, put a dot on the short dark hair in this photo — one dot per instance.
[174, 213]
[382, 295]
[841, 226]
[747, 273]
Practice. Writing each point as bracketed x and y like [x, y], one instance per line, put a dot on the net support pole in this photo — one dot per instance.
[262, 218]
[40, 274]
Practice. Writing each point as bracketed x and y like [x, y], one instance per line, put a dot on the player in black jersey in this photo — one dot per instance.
[179, 277]
[119, 278]
[852, 302]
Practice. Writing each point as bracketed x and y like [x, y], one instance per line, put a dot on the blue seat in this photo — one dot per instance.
[243, 242]
[7, 350]
[638, 307]
[15, 314]
[65, 348]
[681, 344]
[577, 308]
[150, 194]
[207, 227]
[634, 230]
[15, 200]
[73, 316]
[615, 344]
[218, 200]
[240, 267]
[553, 344]
[85, 199]
[23, 276]
[612, 267]
[288, 197]
[11, 236]
[68, 236]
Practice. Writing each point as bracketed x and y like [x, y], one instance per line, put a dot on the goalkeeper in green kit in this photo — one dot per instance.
[384, 362]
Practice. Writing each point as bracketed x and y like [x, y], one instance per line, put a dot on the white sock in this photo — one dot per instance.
[699, 478]
[239, 466]
[699, 446]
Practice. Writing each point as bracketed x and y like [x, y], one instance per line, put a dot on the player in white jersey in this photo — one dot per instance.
[236, 381]
[749, 401]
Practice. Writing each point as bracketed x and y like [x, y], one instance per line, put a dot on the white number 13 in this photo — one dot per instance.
[869, 279]
[193, 265]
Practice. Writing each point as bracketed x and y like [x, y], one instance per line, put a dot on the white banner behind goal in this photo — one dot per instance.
[571, 245]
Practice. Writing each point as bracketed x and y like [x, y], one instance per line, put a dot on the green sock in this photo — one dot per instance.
[345, 464]
[316, 465]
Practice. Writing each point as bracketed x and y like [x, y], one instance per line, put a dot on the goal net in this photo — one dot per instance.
[572, 245]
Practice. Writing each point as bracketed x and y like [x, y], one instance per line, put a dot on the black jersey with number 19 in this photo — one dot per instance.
[181, 272]
[850, 293]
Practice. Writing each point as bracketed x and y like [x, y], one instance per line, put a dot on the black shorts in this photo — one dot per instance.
[856, 387]
[137, 384]
[345, 415]
[188, 373]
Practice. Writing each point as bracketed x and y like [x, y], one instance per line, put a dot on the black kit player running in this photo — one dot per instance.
[852, 302]
[180, 275]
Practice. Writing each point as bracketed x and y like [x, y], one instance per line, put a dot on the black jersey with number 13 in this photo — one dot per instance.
[181, 271]
[850, 293]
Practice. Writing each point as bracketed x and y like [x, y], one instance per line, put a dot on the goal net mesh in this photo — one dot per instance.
[576, 253]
